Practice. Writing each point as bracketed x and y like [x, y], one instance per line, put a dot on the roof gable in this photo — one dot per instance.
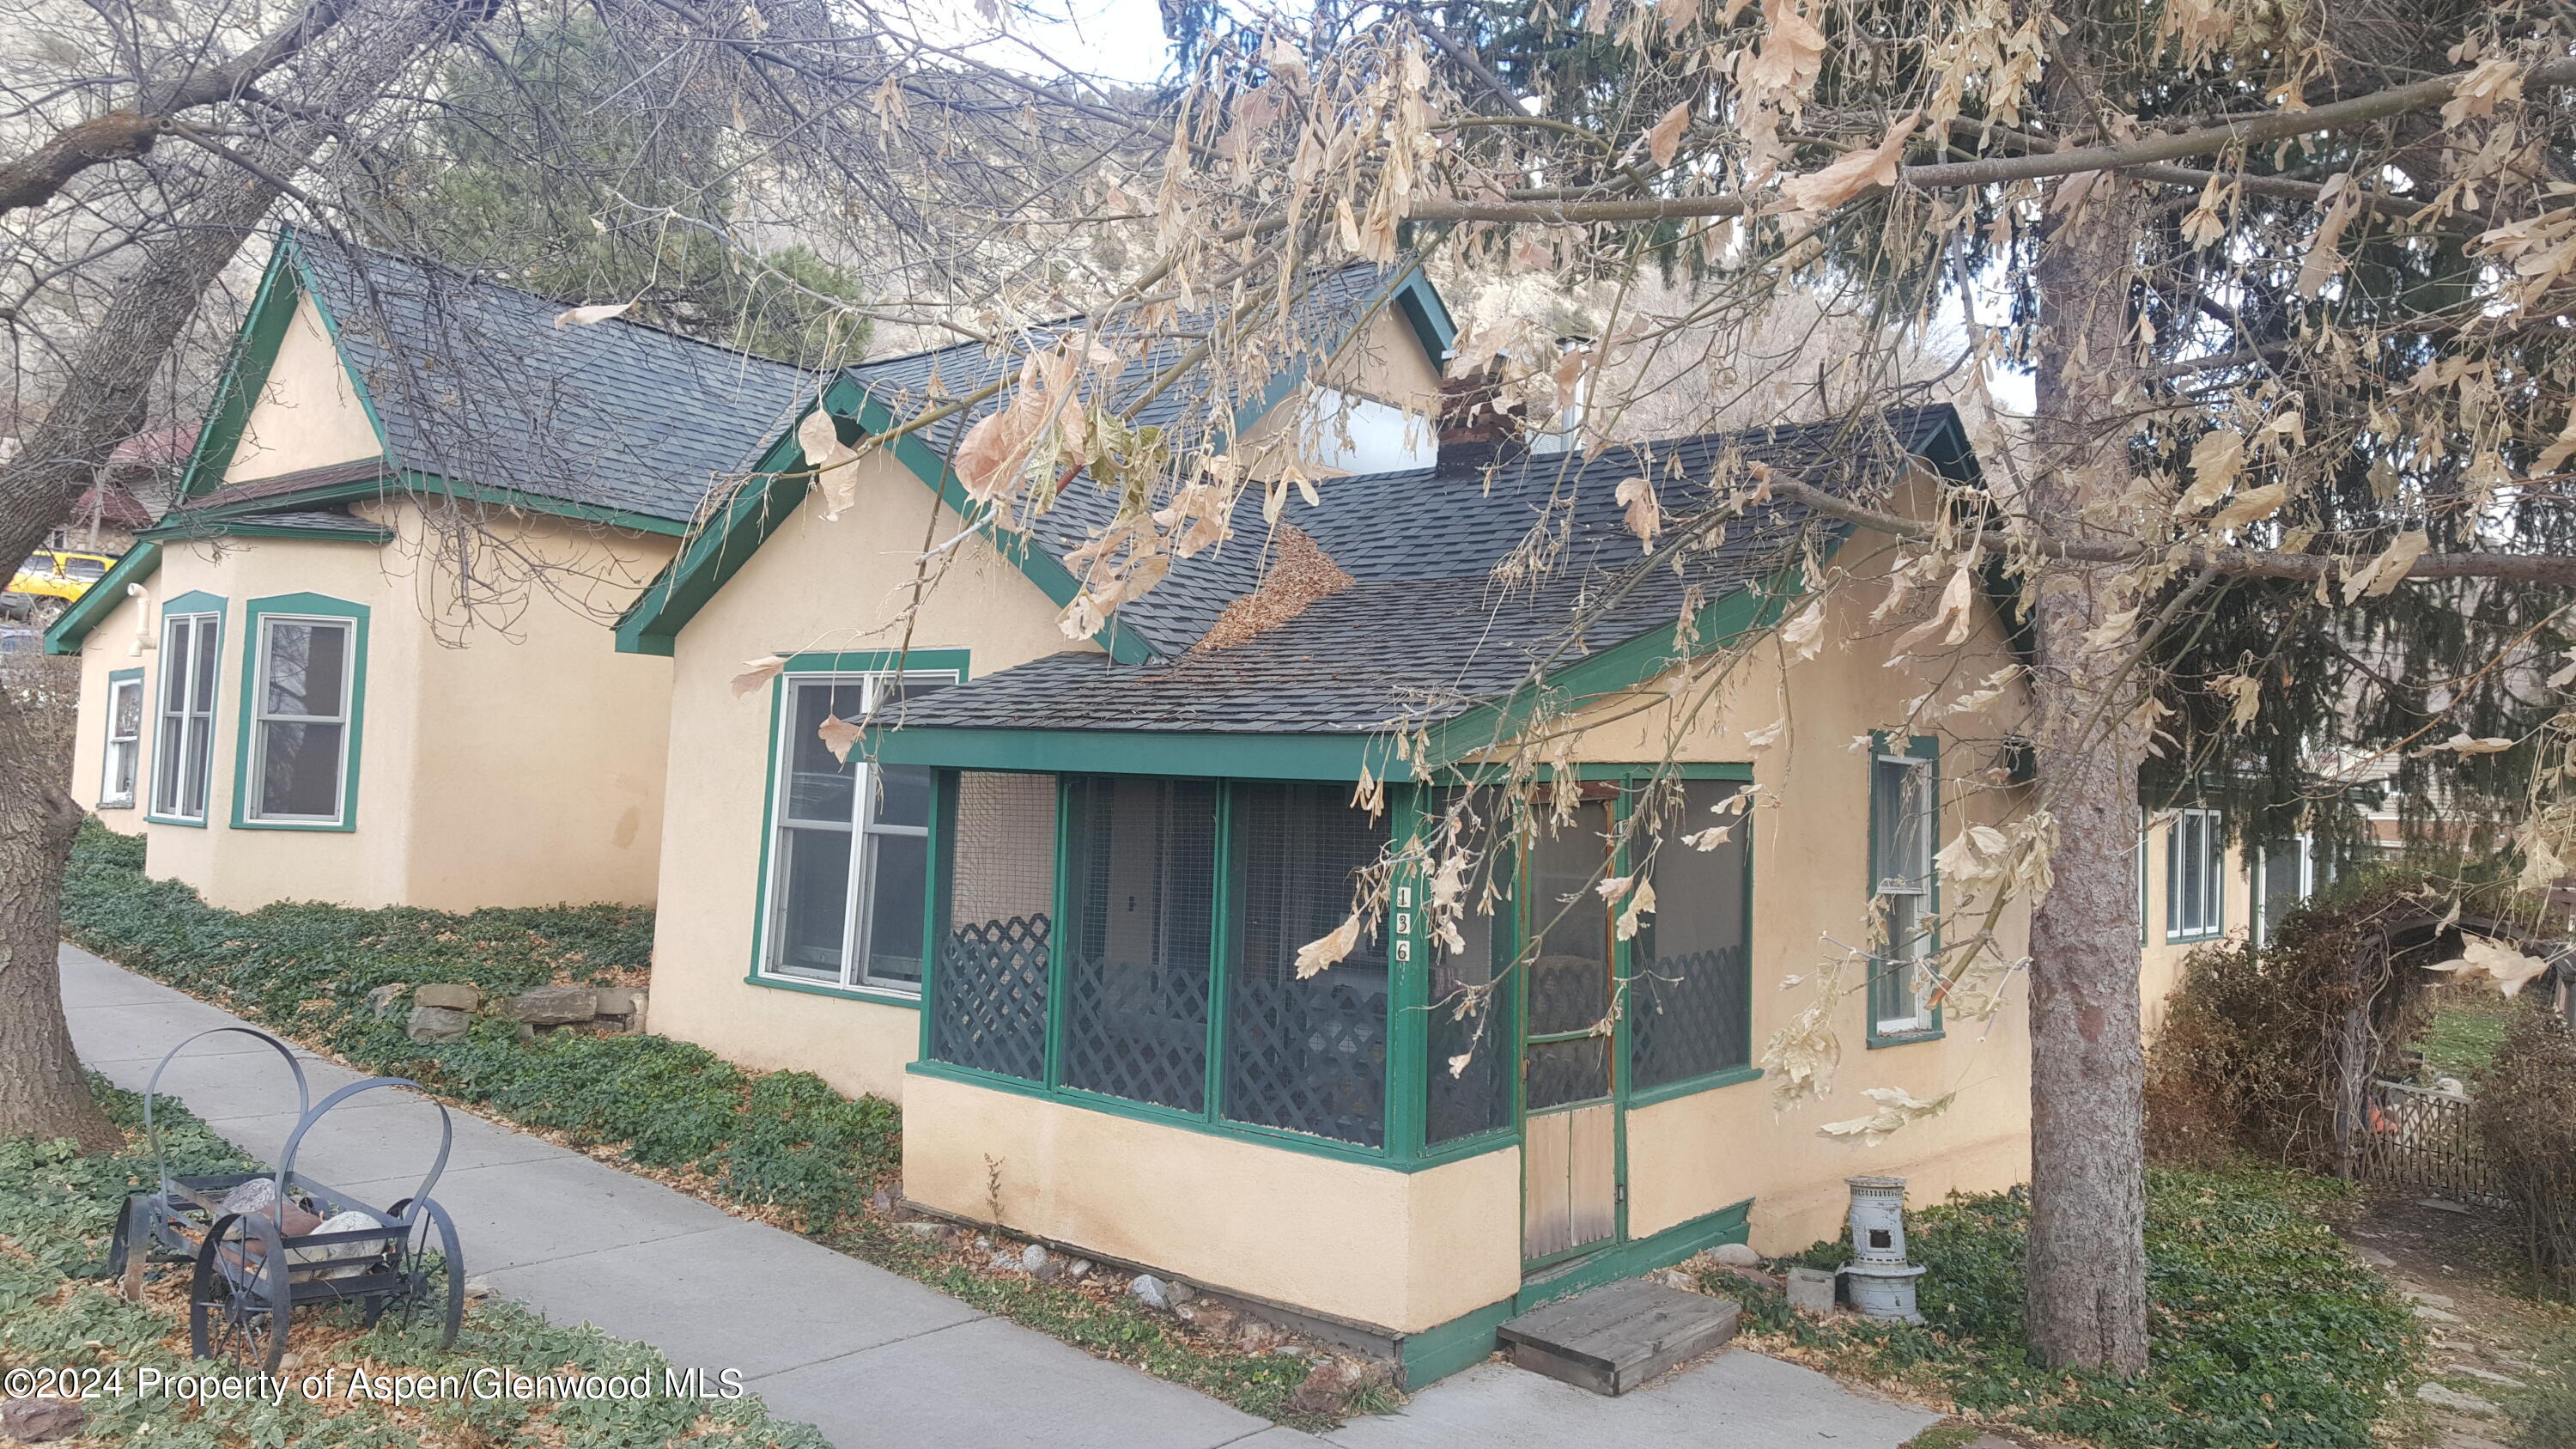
[877, 398]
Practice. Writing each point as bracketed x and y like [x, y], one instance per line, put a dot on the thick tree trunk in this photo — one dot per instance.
[2087, 1293]
[104, 401]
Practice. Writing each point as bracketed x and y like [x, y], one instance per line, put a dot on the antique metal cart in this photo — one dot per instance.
[251, 1274]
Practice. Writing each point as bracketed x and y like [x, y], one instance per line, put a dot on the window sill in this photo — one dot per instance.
[1690, 1086]
[150, 819]
[1878, 1038]
[2194, 938]
[114, 805]
[878, 994]
[323, 826]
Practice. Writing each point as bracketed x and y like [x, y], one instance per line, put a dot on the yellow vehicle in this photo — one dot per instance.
[60, 573]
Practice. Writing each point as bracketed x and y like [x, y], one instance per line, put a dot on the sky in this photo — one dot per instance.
[1120, 40]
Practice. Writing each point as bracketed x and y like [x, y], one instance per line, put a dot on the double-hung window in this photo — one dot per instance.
[124, 755]
[2284, 875]
[2195, 883]
[183, 744]
[1904, 814]
[301, 701]
[849, 847]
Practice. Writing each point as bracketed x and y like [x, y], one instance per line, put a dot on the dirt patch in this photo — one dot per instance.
[2452, 1262]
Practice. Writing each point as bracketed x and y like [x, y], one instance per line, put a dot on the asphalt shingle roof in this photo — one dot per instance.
[472, 381]
[1428, 631]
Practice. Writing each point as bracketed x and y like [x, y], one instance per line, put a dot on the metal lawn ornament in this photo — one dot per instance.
[1878, 1280]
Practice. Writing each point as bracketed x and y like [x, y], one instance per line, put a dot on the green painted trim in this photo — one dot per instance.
[1689, 1086]
[1927, 747]
[862, 661]
[1137, 752]
[191, 603]
[1461, 1343]
[100, 599]
[1408, 960]
[116, 677]
[1165, 1116]
[320, 606]
[1428, 314]
[246, 364]
[1642, 1255]
[209, 527]
[877, 995]
[217, 510]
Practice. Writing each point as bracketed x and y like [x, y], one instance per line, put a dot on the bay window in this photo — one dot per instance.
[183, 742]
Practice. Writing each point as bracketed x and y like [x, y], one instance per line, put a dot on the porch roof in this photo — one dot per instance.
[1427, 634]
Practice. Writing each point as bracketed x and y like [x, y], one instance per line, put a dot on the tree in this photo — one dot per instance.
[184, 223]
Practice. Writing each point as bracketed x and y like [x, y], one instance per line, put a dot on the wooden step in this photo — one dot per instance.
[1619, 1335]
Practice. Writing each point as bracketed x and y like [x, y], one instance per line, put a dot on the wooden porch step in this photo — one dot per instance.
[1619, 1335]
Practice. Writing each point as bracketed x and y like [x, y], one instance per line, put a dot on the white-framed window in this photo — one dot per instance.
[1904, 818]
[2195, 875]
[183, 740]
[302, 695]
[2284, 875]
[849, 848]
[123, 759]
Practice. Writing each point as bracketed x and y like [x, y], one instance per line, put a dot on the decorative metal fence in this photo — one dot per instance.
[2419, 1139]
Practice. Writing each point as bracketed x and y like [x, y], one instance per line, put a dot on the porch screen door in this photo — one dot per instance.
[1570, 1127]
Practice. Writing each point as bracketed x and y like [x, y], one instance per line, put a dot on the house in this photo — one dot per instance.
[364, 657]
[1073, 901]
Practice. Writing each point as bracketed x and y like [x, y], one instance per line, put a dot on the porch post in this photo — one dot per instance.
[1408, 976]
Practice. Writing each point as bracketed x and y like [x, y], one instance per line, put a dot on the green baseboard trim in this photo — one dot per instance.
[1643, 1255]
[1461, 1343]
[1464, 1341]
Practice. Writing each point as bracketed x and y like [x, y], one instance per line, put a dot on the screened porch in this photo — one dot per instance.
[1129, 943]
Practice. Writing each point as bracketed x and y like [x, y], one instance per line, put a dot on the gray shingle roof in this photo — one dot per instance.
[1427, 632]
[472, 381]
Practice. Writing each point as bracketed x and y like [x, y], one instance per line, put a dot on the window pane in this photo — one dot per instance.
[1475, 1096]
[307, 664]
[84, 568]
[903, 794]
[2187, 859]
[814, 902]
[178, 639]
[125, 713]
[1901, 822]
[1690, 995]
[197, 758]
[299, 770]
[1569, 977]
[1892, 985]
[1140, 890]
[1310, 1055]
[898, 865]
[819, 787]
[202, 701]
[988, 1002]
[1560, 1072]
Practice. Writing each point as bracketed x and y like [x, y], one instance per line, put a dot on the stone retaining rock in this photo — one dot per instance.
[448, 995]
[553, 1005]
[436, 1023]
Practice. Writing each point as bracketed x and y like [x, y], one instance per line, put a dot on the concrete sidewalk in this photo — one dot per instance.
[868, 1357]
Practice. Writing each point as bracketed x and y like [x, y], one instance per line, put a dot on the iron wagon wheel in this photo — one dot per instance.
[240, 1301]
[432, 1268]
[129, 1248]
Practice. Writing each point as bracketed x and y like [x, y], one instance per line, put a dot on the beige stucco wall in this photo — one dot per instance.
[817, 585]
[1396, 1250]
[308, 414]
[500, 764]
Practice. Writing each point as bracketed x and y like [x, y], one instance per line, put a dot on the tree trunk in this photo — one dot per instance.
[104, 401]
[2087, 1285]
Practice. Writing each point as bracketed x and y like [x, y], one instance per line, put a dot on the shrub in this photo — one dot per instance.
[2525, 1117]
[784, 1139]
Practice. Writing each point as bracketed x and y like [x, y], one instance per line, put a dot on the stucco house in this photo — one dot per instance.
[365, 656]
[1056, 897]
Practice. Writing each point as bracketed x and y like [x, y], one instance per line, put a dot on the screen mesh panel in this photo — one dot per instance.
[1690, 987]
[1140, 891]
[988, 1000]
[1307, 1056]
[1476, 1095]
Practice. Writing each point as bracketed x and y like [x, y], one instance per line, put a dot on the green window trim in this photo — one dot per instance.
[196, 603]
[254, 629]
[854, 662]
[2212, 825]
[1917, 747]
[133, 798]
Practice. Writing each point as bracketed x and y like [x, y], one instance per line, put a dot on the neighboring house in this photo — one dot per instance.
[2199, 885]
[365, 656]
[1055, 899]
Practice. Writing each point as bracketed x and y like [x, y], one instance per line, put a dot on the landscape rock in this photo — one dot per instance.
[448, 995]
[2443, 1396]
[385, 1000]
[1677, 1280]
[2485, 1376]
[617, 1001]
[554, 1005]
[1034, 1257]
[1215, 1318]
[1735, 1255]
[478, 1289]
[41, 1421]
[1151, 1291]
[1002, 1261]
[881, 1201]
[928, 1229]
[436, 1023]
[1077, 1267]
[1325, 1387]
